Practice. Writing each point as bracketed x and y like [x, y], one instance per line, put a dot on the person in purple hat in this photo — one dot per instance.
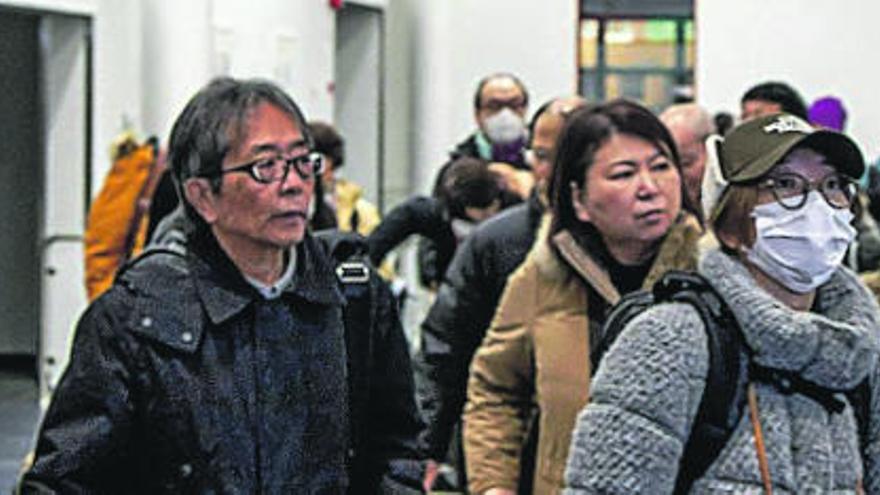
[828, 112]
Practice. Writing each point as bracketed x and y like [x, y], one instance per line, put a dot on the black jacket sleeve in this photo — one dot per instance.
[385, 455]
[451, 333]
[394, 418]
[84, 438]
[418, 215]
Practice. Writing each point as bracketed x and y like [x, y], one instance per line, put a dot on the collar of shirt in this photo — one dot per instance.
[273, 291]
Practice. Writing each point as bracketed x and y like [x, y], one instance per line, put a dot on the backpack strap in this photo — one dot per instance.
[615, 321]
[788, 383]
[725, 392]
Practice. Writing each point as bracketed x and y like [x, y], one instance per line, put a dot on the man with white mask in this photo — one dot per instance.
[500, 104]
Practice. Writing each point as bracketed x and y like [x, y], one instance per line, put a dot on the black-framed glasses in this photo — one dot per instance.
[269, 170]
[791, 190]
[496, 105]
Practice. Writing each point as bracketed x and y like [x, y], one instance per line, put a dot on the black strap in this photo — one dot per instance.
[789, 383]
[725, 392]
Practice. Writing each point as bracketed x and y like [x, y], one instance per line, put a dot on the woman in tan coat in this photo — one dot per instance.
[618, 222]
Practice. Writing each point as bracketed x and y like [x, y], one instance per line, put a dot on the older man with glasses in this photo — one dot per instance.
[221, 369]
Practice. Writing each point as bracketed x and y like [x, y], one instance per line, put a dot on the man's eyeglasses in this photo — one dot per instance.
[269, 170]
[496, 105]
[791, 190]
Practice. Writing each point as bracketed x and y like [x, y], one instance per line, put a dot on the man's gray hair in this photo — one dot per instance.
[690, 115]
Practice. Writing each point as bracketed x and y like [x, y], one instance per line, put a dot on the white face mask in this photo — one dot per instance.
[505, 127]
[462, 228]
[801, 248]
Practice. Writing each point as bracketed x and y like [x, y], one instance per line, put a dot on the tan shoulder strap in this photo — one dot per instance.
[759, 440]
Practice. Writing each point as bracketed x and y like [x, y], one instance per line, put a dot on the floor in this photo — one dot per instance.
[19, 413]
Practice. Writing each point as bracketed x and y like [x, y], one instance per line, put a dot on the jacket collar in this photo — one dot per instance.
[224, 292]
[835, 345]
[677, 251]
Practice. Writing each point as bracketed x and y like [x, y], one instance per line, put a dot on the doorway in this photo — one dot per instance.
[359, 105]
[44, 167]
[21, 172]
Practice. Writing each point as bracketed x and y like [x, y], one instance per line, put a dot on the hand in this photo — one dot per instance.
[431, 472]
[520, 182]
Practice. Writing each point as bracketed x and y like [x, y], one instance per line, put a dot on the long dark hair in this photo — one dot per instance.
[584, 132]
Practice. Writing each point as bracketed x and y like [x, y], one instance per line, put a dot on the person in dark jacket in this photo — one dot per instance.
[470, 194]
[221, 370]
[474, 282]
[384, 455]
[500, 104]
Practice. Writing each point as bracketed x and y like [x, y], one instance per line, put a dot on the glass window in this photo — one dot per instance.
[643, 59]
[640, 43]
[690, 51]
[589, 42]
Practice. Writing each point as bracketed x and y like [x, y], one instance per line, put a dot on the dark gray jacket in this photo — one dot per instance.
[183, 379]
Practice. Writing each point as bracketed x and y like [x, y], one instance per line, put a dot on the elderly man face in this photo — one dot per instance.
[250, 217]
[499, 95]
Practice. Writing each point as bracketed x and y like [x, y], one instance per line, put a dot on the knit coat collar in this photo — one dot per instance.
[835, 345]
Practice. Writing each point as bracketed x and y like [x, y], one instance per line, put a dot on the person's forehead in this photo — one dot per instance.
[266, 128]
[765, 105]
[500, 87]
[805, 161]
[683, 134]
[548, 126]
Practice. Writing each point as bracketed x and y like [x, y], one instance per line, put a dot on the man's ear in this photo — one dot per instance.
[577, 203]
[202, 197]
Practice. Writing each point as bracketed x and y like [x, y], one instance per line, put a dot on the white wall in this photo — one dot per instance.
[820, 48]
[456, 42]
[288, 41]
[118, 78]
[176, 44]
[75, 7]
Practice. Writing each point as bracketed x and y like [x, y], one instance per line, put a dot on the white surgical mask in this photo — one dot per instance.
[801, 248]
[461, 228]
[505, 127]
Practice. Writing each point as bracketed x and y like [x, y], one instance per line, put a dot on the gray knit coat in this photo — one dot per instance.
[630, 437]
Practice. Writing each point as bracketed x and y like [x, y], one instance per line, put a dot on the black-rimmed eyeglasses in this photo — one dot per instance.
[791, 190]
[269, 170]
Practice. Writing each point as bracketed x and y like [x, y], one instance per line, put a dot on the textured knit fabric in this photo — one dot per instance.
[645, 395]
[535, 358]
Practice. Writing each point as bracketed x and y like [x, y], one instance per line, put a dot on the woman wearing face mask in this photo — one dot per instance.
[617, 224]
[783, 223]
